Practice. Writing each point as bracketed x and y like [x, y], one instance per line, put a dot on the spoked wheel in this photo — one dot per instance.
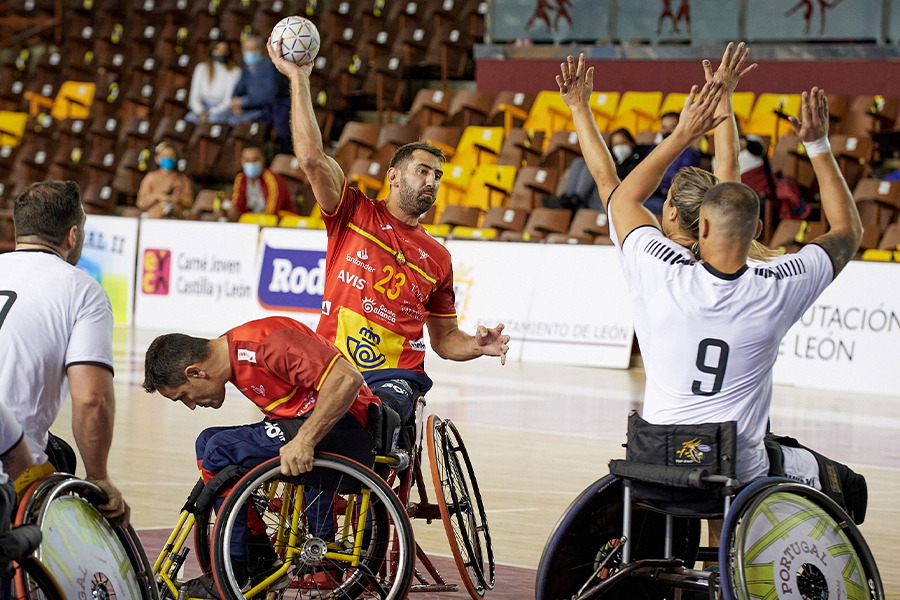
[462, 510]
[82, 550]
[326, 534]
[34, 582]
[585, 548]
[787, 540]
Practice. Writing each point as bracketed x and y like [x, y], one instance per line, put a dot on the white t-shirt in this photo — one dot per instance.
[10, 436]
[709, 340]
[215, 94]
[52, 316]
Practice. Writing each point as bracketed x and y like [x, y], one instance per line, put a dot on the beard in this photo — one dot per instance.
[416, 203]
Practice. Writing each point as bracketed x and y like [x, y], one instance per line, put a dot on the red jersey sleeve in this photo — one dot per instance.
[442, 302]
[239, 196]
[299, 358]
[351, 197]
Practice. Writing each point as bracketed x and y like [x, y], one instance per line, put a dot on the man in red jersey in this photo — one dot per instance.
[386, 278]
[299, 381]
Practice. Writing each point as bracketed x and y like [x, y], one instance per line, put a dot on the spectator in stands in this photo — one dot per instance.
[626, 151]
[165, 192]
[258, 87]
[689, 158]
[258, 189]
[212, 85]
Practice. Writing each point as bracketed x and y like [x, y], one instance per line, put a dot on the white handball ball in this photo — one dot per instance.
[299, 39]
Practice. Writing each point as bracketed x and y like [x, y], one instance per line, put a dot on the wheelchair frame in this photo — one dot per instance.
[404, 472]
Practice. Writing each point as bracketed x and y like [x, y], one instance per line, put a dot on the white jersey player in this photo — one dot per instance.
[56, 335]
[710, 331]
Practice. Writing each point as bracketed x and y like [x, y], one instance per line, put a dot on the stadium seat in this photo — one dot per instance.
[838, 105]
[870, 113]
[470, 108]
[742, 106]
[853, 155]
[878, 202]
[502, 218]
[12, 127]
[479, 146]
[588, 227]
[672, 103]
[205, 147]
[368, 175]
[454, 185]
[891, 238]
[549, 114]
[604, 106]
[531, 184]
[765, 119]
[74, 100]
[637, 111]
[429, 108]
[521, 148]
[394, 135]
[100, 197]
[541, 222]
[131, 168]
[791, 234]
[358, 140]
[455, 215]
[562, 149]
[490, 186]
[510, 109]
[445, 138]
[261, 220]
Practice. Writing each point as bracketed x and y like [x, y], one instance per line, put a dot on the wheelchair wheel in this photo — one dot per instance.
[588, 533]
[337, 532]
[34, 582]
[84, 552]
[785, 540]
[462, 510]
[205, 519]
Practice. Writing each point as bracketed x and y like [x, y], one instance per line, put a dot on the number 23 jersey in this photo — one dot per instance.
[383, 279]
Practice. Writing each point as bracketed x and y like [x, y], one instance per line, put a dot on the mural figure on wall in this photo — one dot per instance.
[684, 14]
[541, 14]
[809, 9]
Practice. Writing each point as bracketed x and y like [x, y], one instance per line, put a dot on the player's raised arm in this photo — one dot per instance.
[727, 144]
[696, 119]
[451, 343]
[575, 86]
[842, 240]
[325, 175]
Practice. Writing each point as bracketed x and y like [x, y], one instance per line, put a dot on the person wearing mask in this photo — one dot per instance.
[625, 151]
[689, 158]
[212, 85]
[258, 189]
[258, 87]
[165, 192]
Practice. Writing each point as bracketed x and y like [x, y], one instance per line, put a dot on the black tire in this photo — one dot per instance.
[462, 510]
[34, 582]
[588, 532]
[205, 519]
[387, 548]
[788, 536]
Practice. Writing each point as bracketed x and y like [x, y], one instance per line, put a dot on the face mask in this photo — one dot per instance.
[621, 152]
[252, 58]
[167, 163]
[252, 170]
[220, 59]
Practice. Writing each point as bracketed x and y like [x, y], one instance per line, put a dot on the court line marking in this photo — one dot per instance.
[510, 510]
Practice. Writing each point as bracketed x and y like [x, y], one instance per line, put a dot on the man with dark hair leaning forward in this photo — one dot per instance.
[710, 330]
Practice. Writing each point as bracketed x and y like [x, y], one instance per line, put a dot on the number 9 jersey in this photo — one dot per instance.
[383, 279]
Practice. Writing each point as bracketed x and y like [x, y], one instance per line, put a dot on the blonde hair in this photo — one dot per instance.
[689, 186]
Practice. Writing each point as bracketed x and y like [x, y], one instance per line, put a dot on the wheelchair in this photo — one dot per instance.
[85, 554]
[635, 533]
[341, 530]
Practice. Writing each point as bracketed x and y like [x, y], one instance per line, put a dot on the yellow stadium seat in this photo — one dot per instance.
[673, 103]
[73, 100]
[549, 113]
[12, 127]
[261, 220]
[454, 185]
[637, 111]
[764, 121]
[742, 103]
[437, 230]
[479, 146]
[385, 190]
[474, 233]
[490, 186]
[603, 106]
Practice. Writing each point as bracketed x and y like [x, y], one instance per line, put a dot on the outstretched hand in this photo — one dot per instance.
[731, 70]
[812, 124]
[492, 342]
[286, 67]
[699, 109]
[576, 83]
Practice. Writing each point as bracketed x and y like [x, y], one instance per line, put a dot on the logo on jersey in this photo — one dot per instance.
[259, 389]
[692, 452]
[362, 254]
[292, 279]
[359, 263]
[247, 355]
[382, 311]
[401, 260]
[386, 227]
[351, 279]
[155, 276]
[417, 345]
[326, 307]
[273, 430]
[422, 254]
[364, 350]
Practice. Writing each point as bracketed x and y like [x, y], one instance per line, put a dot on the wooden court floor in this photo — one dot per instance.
[537, 434]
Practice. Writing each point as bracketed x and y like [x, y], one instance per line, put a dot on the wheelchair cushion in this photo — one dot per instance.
[383, 423]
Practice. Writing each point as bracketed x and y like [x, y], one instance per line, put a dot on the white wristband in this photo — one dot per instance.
[817, 147]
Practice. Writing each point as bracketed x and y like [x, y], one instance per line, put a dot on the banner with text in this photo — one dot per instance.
[848, 339]
[196, 276]
[109, 256]
[560, 304]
